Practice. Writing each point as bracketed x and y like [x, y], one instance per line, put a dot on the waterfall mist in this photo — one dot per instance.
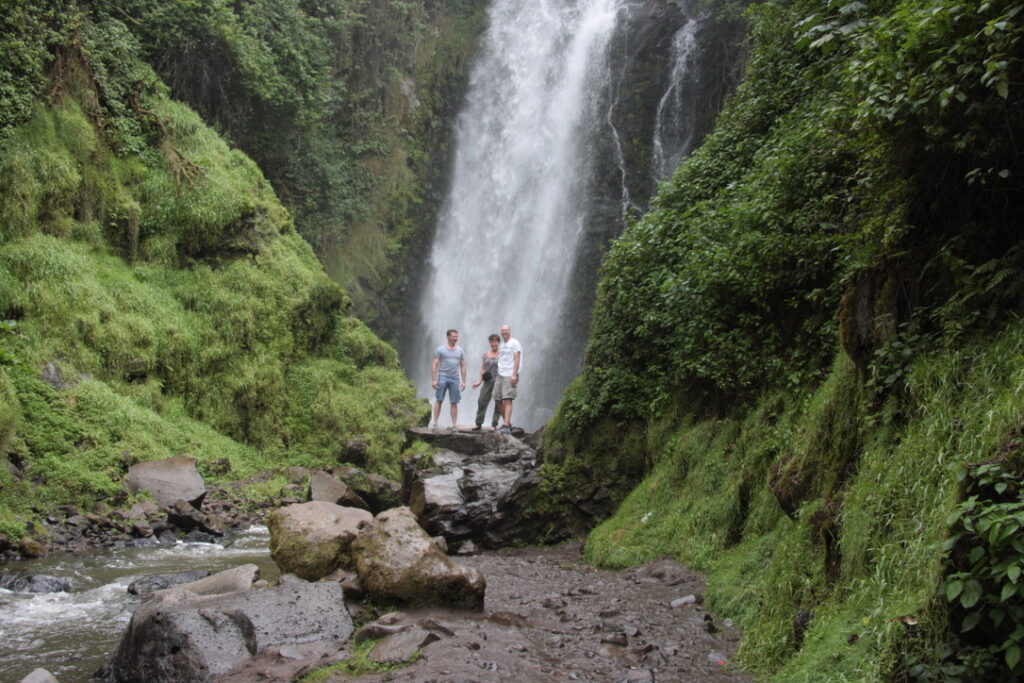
[555, 145]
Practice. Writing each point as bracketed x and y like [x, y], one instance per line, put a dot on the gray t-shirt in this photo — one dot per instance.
[451, 361]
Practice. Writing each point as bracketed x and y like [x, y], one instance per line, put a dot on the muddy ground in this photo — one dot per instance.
[551, 617]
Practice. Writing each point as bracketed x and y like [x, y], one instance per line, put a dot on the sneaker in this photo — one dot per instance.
[435, 428]
[451, 428]
[505, 430]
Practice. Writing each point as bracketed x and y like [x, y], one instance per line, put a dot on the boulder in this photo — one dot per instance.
[31, 548]
[168, 480]
[325, 487]
[39, 676]
[380, 493]
[355, 451]
[157, 582]
[399, 648]
[480, 497]
[312, 539]
[175, 638]
[234, 580]
[34, 583]
[398, 562]
[183, 516]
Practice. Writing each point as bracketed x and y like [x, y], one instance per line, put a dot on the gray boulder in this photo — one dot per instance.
[157, 582]
[482, 497]
[39, 676]
[175, 638]
[380, 493]
[327, 488]
[168, 480]
[182, 515]
[311, 540]
[398, 562]
[34, 583]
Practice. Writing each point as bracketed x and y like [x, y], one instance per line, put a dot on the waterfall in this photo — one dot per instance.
[507, 232]
[574, 110]
[674, 122]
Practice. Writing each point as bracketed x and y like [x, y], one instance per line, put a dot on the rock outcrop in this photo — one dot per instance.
[325, 487]
[312, 539]
[398, 562]
[474, 488]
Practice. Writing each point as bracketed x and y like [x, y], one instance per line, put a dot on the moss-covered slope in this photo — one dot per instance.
[161, 298]
[809, 350]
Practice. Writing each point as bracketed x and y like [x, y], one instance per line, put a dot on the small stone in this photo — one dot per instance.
[685, 600]
[615, 639]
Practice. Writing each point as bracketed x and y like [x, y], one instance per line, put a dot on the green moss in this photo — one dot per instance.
[357, 663]
[183, 313]
[827, 589]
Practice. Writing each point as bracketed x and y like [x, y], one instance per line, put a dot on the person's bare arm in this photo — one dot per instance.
[483, 364]
[462, 367]
[433, 371]
[515, 369]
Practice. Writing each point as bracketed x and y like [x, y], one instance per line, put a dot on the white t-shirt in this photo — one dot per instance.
[507, 357]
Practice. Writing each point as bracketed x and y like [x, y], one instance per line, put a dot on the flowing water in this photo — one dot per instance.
[506, 237]
[72, 634]
[536, 133]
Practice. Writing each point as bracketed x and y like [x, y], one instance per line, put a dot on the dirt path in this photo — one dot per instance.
[550, 617]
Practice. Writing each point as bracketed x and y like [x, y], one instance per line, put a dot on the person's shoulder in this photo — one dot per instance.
[515, 343]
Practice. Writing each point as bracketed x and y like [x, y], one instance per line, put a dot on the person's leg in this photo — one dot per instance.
[507, 412]
[437, 413]
[442, 386]
[496, 414]
[486, 390]
[454, 395]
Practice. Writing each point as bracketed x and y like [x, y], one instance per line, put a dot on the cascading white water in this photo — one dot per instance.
[673, 126]
[507, 234]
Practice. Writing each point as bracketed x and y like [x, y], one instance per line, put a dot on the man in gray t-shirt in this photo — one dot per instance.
[448, 374]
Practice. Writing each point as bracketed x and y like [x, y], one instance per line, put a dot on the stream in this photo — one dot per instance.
[73, 634]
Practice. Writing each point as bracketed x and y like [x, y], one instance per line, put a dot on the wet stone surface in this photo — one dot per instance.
[550, 617]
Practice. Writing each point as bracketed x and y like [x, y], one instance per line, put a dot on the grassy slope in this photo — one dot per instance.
[181, 308]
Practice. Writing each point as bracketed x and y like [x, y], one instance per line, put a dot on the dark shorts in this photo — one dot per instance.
[450, 385]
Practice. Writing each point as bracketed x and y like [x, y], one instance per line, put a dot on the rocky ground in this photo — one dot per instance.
[550, 617]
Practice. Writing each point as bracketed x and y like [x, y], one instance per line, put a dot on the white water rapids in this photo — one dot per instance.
[508, 230]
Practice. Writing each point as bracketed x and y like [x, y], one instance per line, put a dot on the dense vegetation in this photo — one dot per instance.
[342, 104]
[155, 294]
[809, 350]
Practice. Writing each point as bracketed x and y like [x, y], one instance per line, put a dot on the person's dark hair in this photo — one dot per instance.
[494, 337]
[449, 332]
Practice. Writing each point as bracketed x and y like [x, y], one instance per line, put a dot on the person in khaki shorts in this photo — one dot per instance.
[510, 360]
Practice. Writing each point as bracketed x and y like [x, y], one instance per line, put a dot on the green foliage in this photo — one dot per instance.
[357, 663]
[161, 288]
[986, 557]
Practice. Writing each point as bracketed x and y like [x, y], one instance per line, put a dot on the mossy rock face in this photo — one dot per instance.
[313, 539]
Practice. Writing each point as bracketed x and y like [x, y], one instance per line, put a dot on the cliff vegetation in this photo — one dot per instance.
[156, 297]
[808, 353]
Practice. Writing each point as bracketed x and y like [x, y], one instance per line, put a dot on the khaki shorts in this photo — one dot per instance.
[503, 389]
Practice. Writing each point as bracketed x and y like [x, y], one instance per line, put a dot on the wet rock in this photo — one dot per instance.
[34, 583]
[142, 529]
[297, 475]
[477, 495]
[39, 676]
[197, 536]
[380, 493]
[155, 582]
[237, 579]
[182, 515]
[177, 639]
[401, 647]
[313, 539]
[168, 480]
[376, 630]
[398, 562]
[31, 548]
[325, 487]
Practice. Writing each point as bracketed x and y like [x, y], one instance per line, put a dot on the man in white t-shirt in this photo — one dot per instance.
[510, 361]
